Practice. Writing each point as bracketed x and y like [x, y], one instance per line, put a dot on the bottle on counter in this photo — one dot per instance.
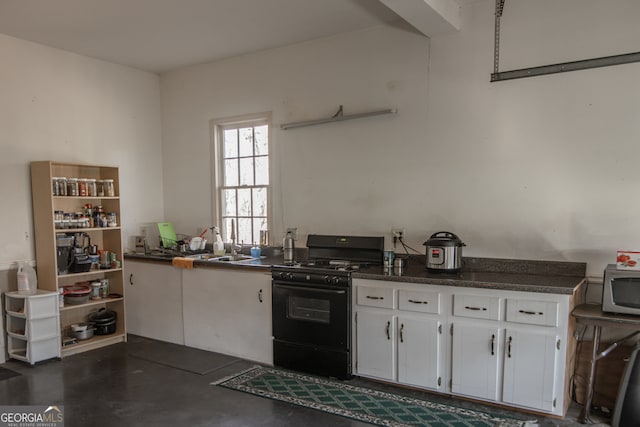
[288, 247]
[218, 245]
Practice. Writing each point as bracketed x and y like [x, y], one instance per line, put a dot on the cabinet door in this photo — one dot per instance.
[530, 369]
[475, 361]
[419, 347]
[229, 312]
[375, 345]
[154, 301]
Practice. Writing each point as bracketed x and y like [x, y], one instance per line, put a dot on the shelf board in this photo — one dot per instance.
[88, 273]
[80, 230]
[92, 343]
[101, 301]
[85, 197]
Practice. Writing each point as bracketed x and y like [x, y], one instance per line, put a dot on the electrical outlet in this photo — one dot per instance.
[398, 233]
[294, 233]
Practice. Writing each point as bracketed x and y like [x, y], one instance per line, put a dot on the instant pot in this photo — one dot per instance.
[444, 252]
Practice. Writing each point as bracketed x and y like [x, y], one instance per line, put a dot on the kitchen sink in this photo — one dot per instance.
[223, 258]
[228, 258]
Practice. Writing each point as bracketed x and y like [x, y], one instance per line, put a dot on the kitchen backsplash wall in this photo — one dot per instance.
[538, 168]
[65, 107]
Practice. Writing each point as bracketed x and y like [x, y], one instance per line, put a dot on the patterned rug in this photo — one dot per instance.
[363, 404]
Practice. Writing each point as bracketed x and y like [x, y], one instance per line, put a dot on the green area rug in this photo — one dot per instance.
[359, 403]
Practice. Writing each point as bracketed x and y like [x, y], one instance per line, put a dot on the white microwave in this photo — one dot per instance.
[621, 291]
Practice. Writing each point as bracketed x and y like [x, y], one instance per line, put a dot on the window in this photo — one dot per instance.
[242, 158]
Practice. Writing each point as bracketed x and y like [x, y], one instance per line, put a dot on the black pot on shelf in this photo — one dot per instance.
[104, 321]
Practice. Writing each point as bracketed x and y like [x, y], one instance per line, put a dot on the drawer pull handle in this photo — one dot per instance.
[388, 326]
[493, 343]
[418, 302]
[475, 308]
[509, 347]
[533, 313]
[370, 297]
[401, 334]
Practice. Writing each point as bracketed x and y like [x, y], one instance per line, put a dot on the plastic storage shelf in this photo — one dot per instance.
[33, 326]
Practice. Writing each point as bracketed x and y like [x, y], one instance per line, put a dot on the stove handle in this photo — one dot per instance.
[307, 288]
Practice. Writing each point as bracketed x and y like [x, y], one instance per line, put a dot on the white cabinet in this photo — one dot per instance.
[33, 326]
[530, 369]
[375, 344]
[228, 311]
[154, 301]
[511, 351]
[396, 335]
[419, 352]
[476, 354]
[507, 347]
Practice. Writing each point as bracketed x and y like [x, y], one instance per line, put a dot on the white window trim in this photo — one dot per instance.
[216, 126]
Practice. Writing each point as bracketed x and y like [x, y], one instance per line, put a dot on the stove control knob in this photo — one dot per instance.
[327, 279]
[281, 274]
[336, 280]
[290, 276]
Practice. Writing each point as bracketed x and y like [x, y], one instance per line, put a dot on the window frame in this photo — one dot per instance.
[218, 126]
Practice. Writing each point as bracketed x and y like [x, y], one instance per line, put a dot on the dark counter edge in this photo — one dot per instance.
[553, 277]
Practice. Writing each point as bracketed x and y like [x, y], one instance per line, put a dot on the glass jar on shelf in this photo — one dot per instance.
[91, 187]
[112, 219]
[72, 187]
[82, 187]
[109, 188]
[62, 186]
[100, 187]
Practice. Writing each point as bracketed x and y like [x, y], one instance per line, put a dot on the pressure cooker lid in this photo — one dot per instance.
[103, 316]
[444, 238]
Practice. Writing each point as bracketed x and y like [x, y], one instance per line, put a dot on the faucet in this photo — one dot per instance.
[233, 240]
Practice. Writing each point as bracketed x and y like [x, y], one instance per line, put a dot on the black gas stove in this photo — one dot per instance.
[312, 304]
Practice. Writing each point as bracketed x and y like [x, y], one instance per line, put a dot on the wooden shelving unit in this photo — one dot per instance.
[108, 238]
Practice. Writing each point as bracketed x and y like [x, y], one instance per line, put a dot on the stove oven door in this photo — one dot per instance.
[310, 314]
[311, 329]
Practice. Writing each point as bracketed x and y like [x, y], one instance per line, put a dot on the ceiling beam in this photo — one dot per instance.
[430, 17]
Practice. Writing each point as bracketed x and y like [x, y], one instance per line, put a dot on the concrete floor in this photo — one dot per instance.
[111, 387]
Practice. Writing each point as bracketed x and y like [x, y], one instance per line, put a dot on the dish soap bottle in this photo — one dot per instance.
[218, 245]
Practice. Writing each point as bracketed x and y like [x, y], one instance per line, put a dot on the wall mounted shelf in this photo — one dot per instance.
[338, 117]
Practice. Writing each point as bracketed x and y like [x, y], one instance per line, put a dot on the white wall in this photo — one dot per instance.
[59, 106]
[538, 168]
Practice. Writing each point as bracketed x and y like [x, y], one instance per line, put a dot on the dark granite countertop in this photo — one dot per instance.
[492, 273]
[489, 273]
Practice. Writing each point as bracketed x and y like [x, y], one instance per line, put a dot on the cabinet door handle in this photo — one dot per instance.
[475, 308]
[509, 347]
[131, 279]
[401, 335]
[260, 296]
[418, 302]
[539, 313]
[493, 344]
[371, 297]
[388, 326]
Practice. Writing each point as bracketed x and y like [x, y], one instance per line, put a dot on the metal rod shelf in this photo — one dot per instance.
[338, 117]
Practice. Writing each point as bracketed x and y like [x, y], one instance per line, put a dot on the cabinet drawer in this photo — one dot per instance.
[375, 297]
[476, 306]
[543, 313]
[424, 302]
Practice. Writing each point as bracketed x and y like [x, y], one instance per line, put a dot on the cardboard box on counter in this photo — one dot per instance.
[628, 260]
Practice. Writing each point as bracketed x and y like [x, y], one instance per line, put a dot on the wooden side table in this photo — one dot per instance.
[592, 315]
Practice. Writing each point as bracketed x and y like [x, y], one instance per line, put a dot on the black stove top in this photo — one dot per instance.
[332, 259]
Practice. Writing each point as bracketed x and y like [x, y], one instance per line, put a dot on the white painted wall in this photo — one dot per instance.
[539, 168]
[59, 106]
